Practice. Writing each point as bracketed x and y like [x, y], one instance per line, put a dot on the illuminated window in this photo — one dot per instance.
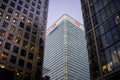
[13, 59]
[32, 47]
[17, 14]
[10, 36]
[15, 49]
[5, 24]
[117, 19]
[4, 56]
[1, 41]
[19, 73]
[29, 21]
[12, 28]
[17, 40]
[23, 52]
[25, 44]
[7, 45]
[7, 17]
[20, 32]
[15, 21]
[1, 13]
[2, 32]
[23, 18]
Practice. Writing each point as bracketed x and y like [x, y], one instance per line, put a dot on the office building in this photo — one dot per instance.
[66, 56]
[102, 26]
[22, 28]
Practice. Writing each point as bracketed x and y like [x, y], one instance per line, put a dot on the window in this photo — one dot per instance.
[30, 55]
[25, 11]
[20, 2]
[15, 21]
[31, 15]
[38, 6]
[36, 18]
[19, 8]
[25, 44]
[27, 6]
[20, 32]
[23, 18]
[12, 28]
[38, 12]
[115, 35]
[32, 47]
[12, 4]
[33, 3]
[21, 62]
[1, 13]
[32, 9]
[29, 65]
[35, 24]
[13, 59]
[33, 39]
[17, 40]
[117, 18]
[113, 6]
[28, 1]
[21, 24]
[5, 24]
[3, 6]
[26, 35]
[29, 21]
[39, 1]
[7, 45]
[1, 41]
[6, 1]
[34, 31]
[15, 49]
[17, 14]
[28, 28]
[10, 10]
[2, 32]
[4, 56]
[10, 36]
[23, 52]
[109, 38]
[7, 17]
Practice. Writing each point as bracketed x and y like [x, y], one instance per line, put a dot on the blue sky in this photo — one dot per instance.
[59, 7]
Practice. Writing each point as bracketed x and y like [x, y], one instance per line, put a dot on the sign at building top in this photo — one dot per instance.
[67, 17]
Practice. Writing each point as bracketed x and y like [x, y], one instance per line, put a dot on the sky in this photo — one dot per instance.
[59, 7]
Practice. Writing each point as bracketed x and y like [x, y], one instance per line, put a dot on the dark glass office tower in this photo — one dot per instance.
[102, 25]
[22, 28]
[66, 56]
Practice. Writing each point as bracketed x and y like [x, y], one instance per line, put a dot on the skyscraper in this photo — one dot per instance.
[66, 56]
[102, 26]
[22, 28]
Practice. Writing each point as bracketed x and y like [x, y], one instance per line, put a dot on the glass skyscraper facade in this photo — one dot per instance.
[22, 28]
[102, 26]
[66, 56]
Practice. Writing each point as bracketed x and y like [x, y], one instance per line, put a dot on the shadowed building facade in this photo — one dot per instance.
[66, 56]
[22, 28]
[102, 26]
